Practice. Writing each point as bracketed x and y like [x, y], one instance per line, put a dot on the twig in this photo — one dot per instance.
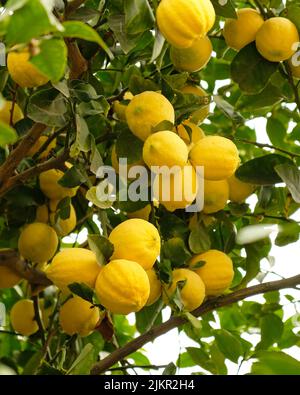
[73, 5]
[12, 110]
[154, 367]
[291, 81]
[176, 321]
[47, 143]
[37, 317]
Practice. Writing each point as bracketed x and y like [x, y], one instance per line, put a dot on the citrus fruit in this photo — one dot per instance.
[42, 214]
[197, 116]
[216, 273]
[64, 227]
[123, 286]
[155, 287]
[295, 67]
[120, 108]
[38, 144]
[146, 110]
[143, 213]
[5, 113]
[38, 242]
[238, 190]
[190, 133]
[50, 187]
[22, 317]
[216, 195]
[8, 277]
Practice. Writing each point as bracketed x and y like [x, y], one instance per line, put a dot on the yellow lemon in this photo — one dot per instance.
[176, 190]
[38, 144]
[295, 67]
[50, 187]
[218, 155]
[23, 72]
[143, 213]
[123, 286]
[147, 110]
[193, 58]
[197, 116]
[42, 214]
[192, 289]
[73, 265]
[277, 39]
[64, 227]
[78, 317]
[22, 318]
[8, 277]
[5, 113]
[136, 240]
[183, 21]
[155, 287]
[238, 190]
[165, 149]
[242, 31]
[38, 242]
[216, 195]
[120, 108]
[217, 272]
[190, 133]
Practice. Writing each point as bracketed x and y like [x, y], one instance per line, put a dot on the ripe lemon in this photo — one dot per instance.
[155, 287]
[190, 133]
[64, 227]
[143, 213]
[242, 31]
[78, 316]
[50, 187]
[197, 116]
[217, 272]
[120, 108]
[22, 318]
[219, 157]
[73, 265]
[216, 195]
[38, 242]
[5, 113]
[23, 72]
[238, 190]
[192, 292]
[136, 240]
[38, 144]
[147, 110]
[176, 190]
[42, 214]
[123, 286]
[182, 21]
[295, 67]
[165, 149]
[193, 58]
[8, 277]
[277, 39]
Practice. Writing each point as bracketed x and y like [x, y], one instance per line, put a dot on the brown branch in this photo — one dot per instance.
[176, 321]
[78, 64]
[15, 157]
[73, 5]
[11, 259]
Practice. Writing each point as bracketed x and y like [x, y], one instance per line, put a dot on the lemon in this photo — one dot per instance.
[176, 190]
[216, 195]
[193, 58]
[8, 277]
[182, 21]
[38, 242]
[197, 116]
[123, 286]
[192, 289]
[73, 265]
[147, 110]
[155, 287]
[50, 187]
[136, 240]
[217, 272]
[238, 190]
[23, 72]
[5, 113]
[78, 317]
[218, 155]
[165, 149]
[64, 227]
[143, 213]
[120, 108]
[42, 214]
[277, 39]
[295, 67]
[190, 133]
[242, 31]
[22, 318]
[38, 144]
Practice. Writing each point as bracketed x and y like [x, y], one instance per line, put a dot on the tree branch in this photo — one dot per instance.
[78, 64]
[176, 321]
[73, 5]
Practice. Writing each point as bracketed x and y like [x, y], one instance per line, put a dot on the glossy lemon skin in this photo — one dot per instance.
[22, 318]
[216, 195]
[8, 277]
[155, 287]
[5, 113]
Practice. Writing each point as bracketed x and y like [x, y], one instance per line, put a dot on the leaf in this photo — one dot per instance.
[275, 363]
[138, 16]
[33, 364]
[271, 330]
[84, 362]
[199, 240]
[194, 321]
[228, 110]
[82, 290]
[149, 315]
[83, 137]
[102, 202]
[102, 247]
[288, 233]
[138, 84]
[268, 97]
[292, 12]
[229, 345]
[276, 131]
[129, 147]
[290, 174]
[261, 171]
[250, 70]
[224, 8]
[158, 45]
[72, 178]
[81, 30]
[175, 250]
[7, 135]
[201, 358]
[170, 370]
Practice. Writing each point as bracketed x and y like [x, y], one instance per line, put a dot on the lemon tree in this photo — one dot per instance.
[101, 252]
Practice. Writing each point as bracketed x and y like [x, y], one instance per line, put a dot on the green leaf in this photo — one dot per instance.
[225, 8]
[7, 135]
[288, 233]
[83, 137]
[33, 364]
[261, 171]
[72, 178]
[292, 12]
[149, 316]
[194, 321]
[94, 195]
[138, 84]
[271, 330]
[201, 358]
[175, 250]
[228, 110]
[290, 174]
[138, 16]
[268, 97]
[102, 247]
[276, 131]
[275, 363]
[170, 370]
[199, 240]
[81, 30]
[250, 70]
[130, 147]
[229, 345]
[84, 362]
[82, 290]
